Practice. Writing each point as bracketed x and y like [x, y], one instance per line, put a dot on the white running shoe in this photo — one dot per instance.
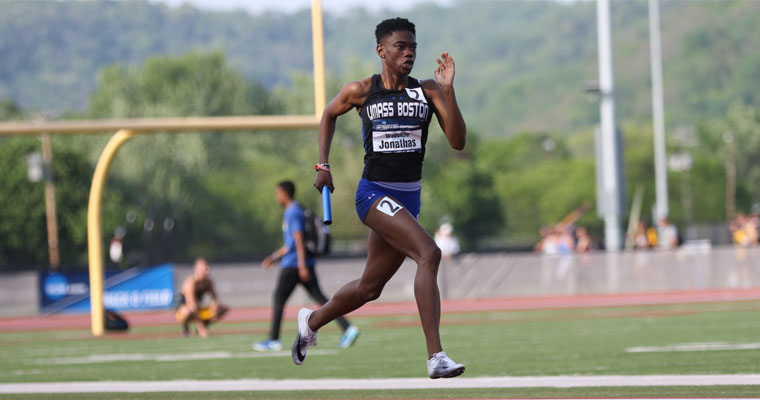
[440, 366]
[304, 338]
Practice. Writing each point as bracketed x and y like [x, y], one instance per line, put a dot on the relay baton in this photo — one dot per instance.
[326, 206]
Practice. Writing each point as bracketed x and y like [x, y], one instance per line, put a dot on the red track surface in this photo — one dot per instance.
[378, 309]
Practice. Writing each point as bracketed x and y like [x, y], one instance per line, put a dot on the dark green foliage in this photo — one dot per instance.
[513, 76]
[521, 65]
[23, 236]
[200, 182]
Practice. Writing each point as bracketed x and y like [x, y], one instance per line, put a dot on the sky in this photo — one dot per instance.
[287, 6]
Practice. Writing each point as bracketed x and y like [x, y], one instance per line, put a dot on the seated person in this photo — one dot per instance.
[189, 306]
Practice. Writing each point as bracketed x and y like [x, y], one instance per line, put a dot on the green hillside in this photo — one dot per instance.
[521, 68]
[521, 64]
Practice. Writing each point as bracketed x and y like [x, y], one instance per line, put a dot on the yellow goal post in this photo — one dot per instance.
[129, 128]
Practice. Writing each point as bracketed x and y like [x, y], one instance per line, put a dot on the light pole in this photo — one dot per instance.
[50, 211]
[609, 151]
[40, 166]
[728, 138]
[658, 113]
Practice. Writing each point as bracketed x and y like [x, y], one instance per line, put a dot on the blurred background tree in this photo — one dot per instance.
[530, 154]
[23, 235]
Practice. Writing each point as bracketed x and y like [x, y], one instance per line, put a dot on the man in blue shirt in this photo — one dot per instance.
[295, 267]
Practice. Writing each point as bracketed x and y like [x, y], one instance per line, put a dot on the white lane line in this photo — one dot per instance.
[215, 355]
[564, 381]
[708, 346]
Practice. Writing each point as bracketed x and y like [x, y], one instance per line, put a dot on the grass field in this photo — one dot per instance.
[711, 338]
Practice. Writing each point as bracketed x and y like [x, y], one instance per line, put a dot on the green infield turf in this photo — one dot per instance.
[715, 338]
[523, 393]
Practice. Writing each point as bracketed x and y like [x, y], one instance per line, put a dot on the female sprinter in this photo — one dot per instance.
[396, 110]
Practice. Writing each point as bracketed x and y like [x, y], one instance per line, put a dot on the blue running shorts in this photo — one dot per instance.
[406, 193]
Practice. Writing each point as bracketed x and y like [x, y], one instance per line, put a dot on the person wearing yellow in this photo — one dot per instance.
[190, 308]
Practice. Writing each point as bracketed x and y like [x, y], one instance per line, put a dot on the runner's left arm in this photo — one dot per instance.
[441, 92]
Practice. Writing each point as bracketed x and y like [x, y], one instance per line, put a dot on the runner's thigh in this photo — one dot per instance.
[398, 228]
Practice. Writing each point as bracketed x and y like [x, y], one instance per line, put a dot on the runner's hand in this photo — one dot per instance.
[323, 178]
[444, 73]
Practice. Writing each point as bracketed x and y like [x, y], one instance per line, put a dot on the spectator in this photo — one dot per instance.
[667, 234]
[641, 240]
[585, 242]
[744, 230]
[652, 236]
[550, 245]
[446, 241]
[565, 239]
[449, 245]
[195, 287]
[750, 227]
[544, 232]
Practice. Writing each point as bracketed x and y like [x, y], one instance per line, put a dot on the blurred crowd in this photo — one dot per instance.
[568, 265]
[663, 237]
[744, 230]
[562, 239]
[565, 238]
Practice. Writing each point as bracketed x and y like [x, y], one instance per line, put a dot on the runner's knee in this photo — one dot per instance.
[370, 292]
[430, 258]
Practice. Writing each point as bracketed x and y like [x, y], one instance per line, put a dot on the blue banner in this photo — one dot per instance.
[130, 290]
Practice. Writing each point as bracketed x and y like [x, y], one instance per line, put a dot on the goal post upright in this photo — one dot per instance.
[129, 128]
[94, 233]
[318, 44]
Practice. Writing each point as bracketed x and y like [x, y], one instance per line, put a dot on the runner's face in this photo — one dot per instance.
[398, 51]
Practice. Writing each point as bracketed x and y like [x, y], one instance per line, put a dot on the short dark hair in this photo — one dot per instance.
[388, 26]
[289, 187]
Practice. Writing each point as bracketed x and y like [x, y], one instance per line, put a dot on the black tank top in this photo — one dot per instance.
[395, 130]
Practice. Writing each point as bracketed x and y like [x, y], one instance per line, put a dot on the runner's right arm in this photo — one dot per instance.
[352, 95]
